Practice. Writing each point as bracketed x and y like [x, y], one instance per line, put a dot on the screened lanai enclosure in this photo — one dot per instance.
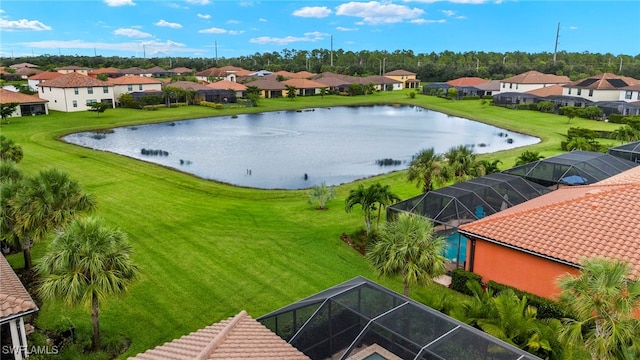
[572, 168]
[452, 206]
[630, 151]
[360, 319]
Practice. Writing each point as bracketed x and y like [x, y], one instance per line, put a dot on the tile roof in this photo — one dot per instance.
[222, 72]
[547, 91]
[46, 75]
[239, 337]
[399, 73]
[73, 80]
[133, 80]
[181, 70]
[14, 298]
[72, 67]
[604, 81]
[304, 84]
[27, 71]
[535, 77]
[266, 84]
[23, 65]
[493, 85]
[467, 81]
[573, 223]
[109, 70]
[226, 85]
[188, 85]
[7, 96]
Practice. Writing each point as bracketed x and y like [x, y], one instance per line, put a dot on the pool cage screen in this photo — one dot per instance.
[630, 151]
[572, 168]
[357, 315]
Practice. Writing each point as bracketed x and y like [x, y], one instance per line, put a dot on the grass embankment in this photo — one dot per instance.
[208, 250]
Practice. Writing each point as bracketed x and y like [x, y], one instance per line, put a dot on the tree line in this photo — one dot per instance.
[429, 67]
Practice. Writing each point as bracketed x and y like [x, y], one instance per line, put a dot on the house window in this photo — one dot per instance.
[42, 90]
[569, 91]
[510, 86]
[89, 90]
[504, 85]
[628, 95]
[590, 92]
[75, 103]
[579, 92]
[516, 86]
[140, 87]
[91, 101]
[578, 104]
[75, 91]
[105, 89]
[638, 95]
[129, 87]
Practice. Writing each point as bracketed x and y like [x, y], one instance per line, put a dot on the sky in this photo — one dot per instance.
[227, 29]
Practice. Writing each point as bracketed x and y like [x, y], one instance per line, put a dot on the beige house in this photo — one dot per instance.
[239, 89]
[28, 104]
[128, 84]
[407, 78]
[15, 304]
[36, 79]
[75, 92]
[531, 80]
[73, 69]
[604, 87]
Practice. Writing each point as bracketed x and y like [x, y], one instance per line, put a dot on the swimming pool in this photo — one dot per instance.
[451, 251]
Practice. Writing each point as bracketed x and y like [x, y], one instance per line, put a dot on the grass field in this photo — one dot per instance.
[208, 250]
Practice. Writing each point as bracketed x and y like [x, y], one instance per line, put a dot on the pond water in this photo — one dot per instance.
[300, 149]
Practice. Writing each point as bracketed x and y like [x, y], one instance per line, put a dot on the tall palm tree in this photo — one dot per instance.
[603, 300]
[490, 167]
[579, 143]
[408, 247]
[463, 163]
[528, 157]
[10, 184]
[625, 133]
[45, 203]
[370, 199]
[9, 150]
[85, 264]
[427, 168]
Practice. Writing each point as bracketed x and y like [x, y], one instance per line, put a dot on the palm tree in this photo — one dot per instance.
[603, 301]
[370, 199]
[408, 247]
[462, 163]
[490, 167]
[528, 157]
[86, 263]
[321, 194]
[625, 134]
[292, 92]
[579, 143]
[45, 203]
[9, 150]
[426, 169]
[253, 94]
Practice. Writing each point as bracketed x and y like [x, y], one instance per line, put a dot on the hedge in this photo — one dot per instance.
[547, 309]
[459, 278]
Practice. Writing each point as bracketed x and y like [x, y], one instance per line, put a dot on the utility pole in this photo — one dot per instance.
[620, 69]
[144, 51]
[380, 60]
[384, 65]
[216, 44]
[477, 64]
[331, 50]
[555, 50]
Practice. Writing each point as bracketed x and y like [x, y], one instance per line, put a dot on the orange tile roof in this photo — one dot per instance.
[181, 70]
[267, 84]
[109, 70]
[547, 91]
[304, 74]
[602, 82]
[626, 177]
[73, 80]
[573, 223]
[399, 73]
[7, 96]
[47, 75]
[240, 337]
[226, 85]
[133, 80]
[14, 298]
[304, 84]
[535, 77]
[467, 81]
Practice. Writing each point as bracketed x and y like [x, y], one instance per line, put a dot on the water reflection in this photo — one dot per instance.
[299, 149]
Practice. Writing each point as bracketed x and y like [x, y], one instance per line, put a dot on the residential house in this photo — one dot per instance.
[73, 69]
[407, 78]
[157, 71]
[530, 245]
[136, 71]
[488, 88]
[203, 92]
[239, 89]
[305, 87]
[110, 72]
[382, 83]
[129, 84]
[75, 92]
[467, 86]
[531, 80]
[269, 88]
[23, 65]
[230, 73]
[29, 104]
[15, 305]
[36, 79]
[181, 71]
[21, 74]
[238, 337]
[603, 87]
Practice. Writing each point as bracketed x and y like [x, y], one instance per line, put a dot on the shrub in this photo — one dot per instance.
[151, 107]
[547, 309]
[522, 107]
[471, 98]
[211, 105]
[459, 278]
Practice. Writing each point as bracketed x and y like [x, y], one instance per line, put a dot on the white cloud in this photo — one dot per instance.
[236, 32]
[262, 20]
[342, 28]
[374, 12]
[198, 2]
[455, 1]
[203, 16]
[133, 33]
[313, 11]
[213, 30]
[309, 37]
[115, 3]
[165, 23]
[246, 3]
[573, 28]
[233, 21]
[461, 17]
[448, 12]
[23, 24]
[428, 21]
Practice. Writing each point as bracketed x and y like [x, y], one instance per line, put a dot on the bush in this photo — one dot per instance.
[211, 105]
[459, 278]
[151, 107]
[547, 309]
[522, 107]
[617, 119]
[471, 98]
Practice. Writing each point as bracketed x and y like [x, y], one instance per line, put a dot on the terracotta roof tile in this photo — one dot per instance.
[14, 298]
[467, 81]
[604, 81]
[240, 337]
[573, 223]
[630, 176]
[399, 73]
[7, 96]
[46, 75]
[187, 85]
[133, 80]
[181, 70]
[109, 70]
[304, 84]
[73, 80]
[547, 91]
[535, 77]
[226, 85]
[266, 84]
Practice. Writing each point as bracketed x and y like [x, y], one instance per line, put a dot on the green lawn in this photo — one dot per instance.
[208, 250]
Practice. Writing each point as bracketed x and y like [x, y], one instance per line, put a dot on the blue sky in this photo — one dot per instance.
[197, 28]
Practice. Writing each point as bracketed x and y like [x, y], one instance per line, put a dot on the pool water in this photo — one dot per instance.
[451, 251]
[375, 356]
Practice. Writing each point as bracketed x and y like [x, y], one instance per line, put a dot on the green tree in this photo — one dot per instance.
[545, 106]
[99, 107]
[321, 194]
[9, 150]
[490, 167]
[603, 299]
[370, 199]
[7, 109]
[452, 93]
[463, 163]
[570, 112]
[427, 169]
[528, 157]
[292, 92]
[103, 77]
[85, 264]
[626, 133]
[253, 95]
[43, 204]
[579, 143]
[323, 91]
[369, 88]
[407, 247]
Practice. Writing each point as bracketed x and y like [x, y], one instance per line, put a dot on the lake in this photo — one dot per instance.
[300, 149]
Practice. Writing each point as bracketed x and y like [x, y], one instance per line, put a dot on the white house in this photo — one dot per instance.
[531, 80]
[128, 84]
[74, 92]
[27, 104]
[604, 87]
[36, 79]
